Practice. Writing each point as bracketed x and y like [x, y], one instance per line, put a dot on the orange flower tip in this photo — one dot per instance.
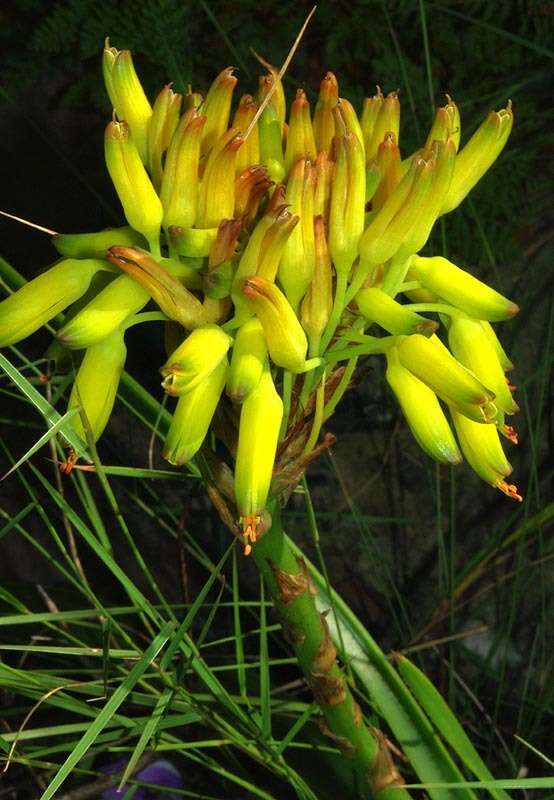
[66, 467]
[510, 433]
[511, 386]
[509, 489]
[512, 309]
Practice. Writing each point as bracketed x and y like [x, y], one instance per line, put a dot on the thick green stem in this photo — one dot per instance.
[306, 630]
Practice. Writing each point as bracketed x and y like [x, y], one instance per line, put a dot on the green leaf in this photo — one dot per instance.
[441, 715]
[104, 717]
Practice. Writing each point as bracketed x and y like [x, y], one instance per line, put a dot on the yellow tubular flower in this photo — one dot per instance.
[96, 382]
[388, 166]
[164, 121]
[387, 120]
[286, 341]
[127, 95]
[461, 289]
[278, 97]
[317, 304]
[422, 411]
[141, 204]
[217, 190]
[472, 347]
[377, 306]
[195, 359]
[192, 417]
[478, 155]
[104, 313]
[300, 138]
[347, 211]
[324, 168]
[95, 245]
[179, 189]
[249, 153]
[441, 163]
[296, 267]
[324, 123]
[172, 297]
[260, 421]
[217, 108]
[41, 299]
[370, 112]
[481, 446]
[505, 362]
[431, 362]
[274, 244]
[446, 125]
[247, 361]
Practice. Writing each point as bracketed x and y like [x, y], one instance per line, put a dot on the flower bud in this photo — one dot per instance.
[171, 296]
[270, 139]
[422, 411]
[249, 261]
[318, 302]
[192, 416]
[386, 120]
[347, 211]
[300, 137]
[41, 299]
[441, 164]
[370, 112]
[127, 95]
[195, 359]
[392, 223]
[377, 306]
[165, 118]
[388, 168]
[96, 382]
[141, 204]
[472, 347]
[461, 289]
[179, 189]
[274, 244]
[482, 448]
[324, 123]
[446, 125]
[297, 263]
[217, 108]
[349, 119]
[95, 245]
[505, 362]
[217, 190]
[249, 153]
[247, 361]
[324, 169]
[286, 341]
[431, 362]
[478, 155]
[260, 422]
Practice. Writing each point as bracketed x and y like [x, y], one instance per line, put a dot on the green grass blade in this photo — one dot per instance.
[147, 733]
[42, 405]
[56, 427]
[238, 639]
[440, 714]
[103, 718]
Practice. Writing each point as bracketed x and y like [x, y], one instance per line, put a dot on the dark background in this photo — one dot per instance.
[396, 530]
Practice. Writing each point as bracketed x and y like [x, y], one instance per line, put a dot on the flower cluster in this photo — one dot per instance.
[270, 243]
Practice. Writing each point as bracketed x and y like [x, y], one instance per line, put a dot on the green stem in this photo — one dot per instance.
[306, 630]
[395, 275]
